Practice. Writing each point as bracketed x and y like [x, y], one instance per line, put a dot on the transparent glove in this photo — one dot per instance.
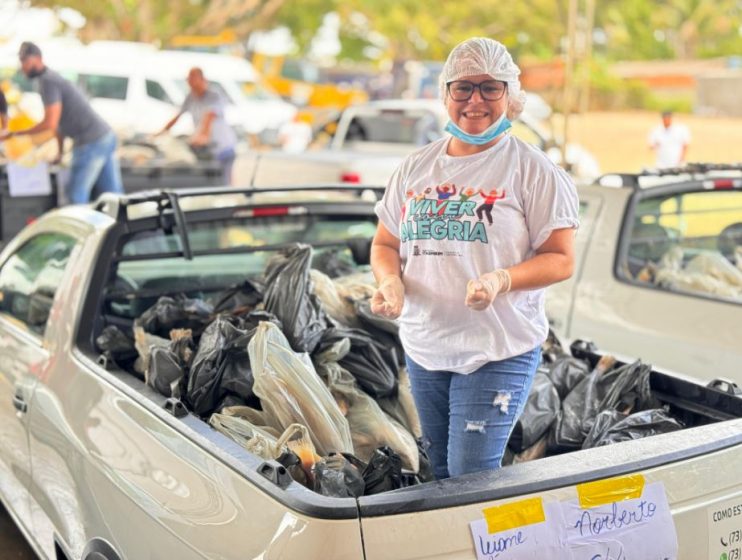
[482, 292]
[388, 298]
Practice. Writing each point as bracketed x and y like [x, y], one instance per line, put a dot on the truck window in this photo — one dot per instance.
[106, 87]
[689, 243]
[156, 91]
[29, 279]
[527, 134]
[395, 127]
[147, 263]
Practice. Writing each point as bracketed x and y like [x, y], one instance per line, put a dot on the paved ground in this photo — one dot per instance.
[619, 140]
[12, 544]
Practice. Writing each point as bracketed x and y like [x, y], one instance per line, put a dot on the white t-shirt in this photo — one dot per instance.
[222, 137]
[669, 143]
[508, 200]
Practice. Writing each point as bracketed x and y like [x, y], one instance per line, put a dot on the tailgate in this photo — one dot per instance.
[699, 469]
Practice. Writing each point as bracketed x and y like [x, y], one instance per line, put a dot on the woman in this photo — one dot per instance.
[470, 295]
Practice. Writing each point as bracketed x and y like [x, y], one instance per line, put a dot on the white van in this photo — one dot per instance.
[137, 89]
[122, 83]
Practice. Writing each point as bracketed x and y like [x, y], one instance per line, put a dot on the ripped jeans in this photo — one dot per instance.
[468, 418]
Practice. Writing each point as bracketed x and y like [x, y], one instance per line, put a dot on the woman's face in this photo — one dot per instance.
[477, 114]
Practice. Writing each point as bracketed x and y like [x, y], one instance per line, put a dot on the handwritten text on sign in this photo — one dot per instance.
[629, 529]
[516, 531]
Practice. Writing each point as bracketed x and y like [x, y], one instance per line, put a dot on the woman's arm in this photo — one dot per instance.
[552, 263]
[385, 259]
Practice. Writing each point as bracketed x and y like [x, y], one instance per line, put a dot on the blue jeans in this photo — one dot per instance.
[226, 161]
[468, 418]
[94, 170]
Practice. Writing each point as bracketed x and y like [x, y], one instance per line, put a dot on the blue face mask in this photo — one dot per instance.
[492, 132]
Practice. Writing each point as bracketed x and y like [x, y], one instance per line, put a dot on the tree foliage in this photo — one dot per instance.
[632, 29]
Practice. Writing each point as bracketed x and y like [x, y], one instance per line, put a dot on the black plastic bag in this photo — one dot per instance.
[116, 346]
[580, 407]
[179, 312]
[603, 421]
[333, 263]
[383, 472]
[251, 321]
[289, 297]
[338, 476]
[636, 426]
[552, 348]
[425, 472]
[542, 408]
[380, 328]
[221, 367]
[164, 372]
[631, 391]
[370, 362]
[240, 299]
[565, 373]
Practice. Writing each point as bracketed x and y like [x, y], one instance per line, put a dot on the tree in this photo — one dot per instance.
[131, 20]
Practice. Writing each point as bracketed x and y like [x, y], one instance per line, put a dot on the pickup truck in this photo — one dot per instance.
[658, 271]
[370, 140]
[95, 464]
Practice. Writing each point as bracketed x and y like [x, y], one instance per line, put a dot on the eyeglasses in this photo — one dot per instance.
[490, 90]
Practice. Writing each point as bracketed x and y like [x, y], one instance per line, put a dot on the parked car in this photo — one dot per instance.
[658, 270]
[370, 140]
[96, 464]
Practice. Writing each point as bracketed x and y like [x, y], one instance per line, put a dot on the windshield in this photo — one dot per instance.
[395, 127]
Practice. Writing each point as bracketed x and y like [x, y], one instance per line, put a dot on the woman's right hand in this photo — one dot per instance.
[388, 298]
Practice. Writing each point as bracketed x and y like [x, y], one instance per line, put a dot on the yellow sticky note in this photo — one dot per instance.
[601, 492]
[514, 514]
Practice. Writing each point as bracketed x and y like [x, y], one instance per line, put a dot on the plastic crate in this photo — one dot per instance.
[16, 212]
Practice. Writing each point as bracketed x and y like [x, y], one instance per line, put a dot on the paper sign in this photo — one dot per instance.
[627, 529]
[29, 180]
[725, 530]
[517, 531]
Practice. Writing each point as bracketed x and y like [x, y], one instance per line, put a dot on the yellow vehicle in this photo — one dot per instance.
[297, 81]
[224, 42]
[17, 147]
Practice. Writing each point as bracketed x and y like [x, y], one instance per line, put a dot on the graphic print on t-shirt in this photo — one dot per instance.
[442, 217]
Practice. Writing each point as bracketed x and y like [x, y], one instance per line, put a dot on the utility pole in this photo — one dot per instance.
[568, 72]
[587, 60]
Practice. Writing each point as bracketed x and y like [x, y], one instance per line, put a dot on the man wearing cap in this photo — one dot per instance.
[669, 141]
[67, 113]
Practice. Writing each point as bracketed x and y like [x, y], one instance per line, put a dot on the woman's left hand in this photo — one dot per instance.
[481, 293]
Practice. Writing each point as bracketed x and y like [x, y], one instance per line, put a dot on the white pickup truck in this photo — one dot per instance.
[658, 271]
[95, 464]
[370, 140]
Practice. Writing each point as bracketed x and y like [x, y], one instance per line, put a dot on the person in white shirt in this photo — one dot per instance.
[670, 142]
[466, 273]
[207, 107]
[296, 134]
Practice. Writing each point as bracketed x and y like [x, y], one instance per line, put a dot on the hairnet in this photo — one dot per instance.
[481, 55]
